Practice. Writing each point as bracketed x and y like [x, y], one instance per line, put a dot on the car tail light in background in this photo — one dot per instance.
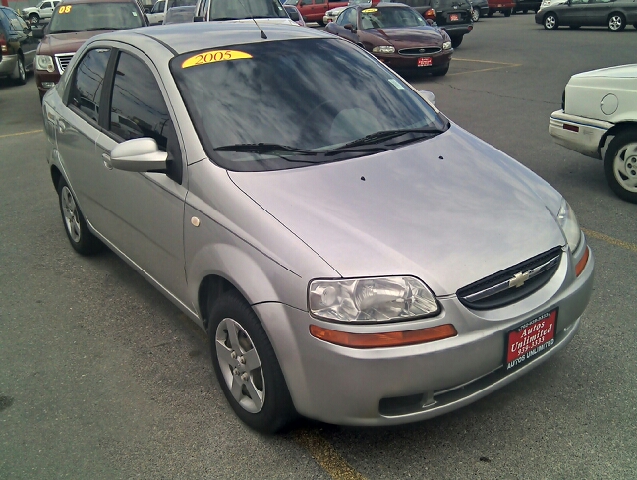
[3, 44]
[430, 14]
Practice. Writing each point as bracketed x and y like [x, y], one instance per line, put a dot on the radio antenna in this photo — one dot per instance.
[263, 36]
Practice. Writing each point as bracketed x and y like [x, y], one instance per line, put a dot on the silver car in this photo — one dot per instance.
[354, 256]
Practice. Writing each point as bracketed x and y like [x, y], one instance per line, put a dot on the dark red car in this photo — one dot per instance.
[397, 35]
[73, 22]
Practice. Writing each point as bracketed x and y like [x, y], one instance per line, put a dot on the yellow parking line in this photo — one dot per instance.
[483, 61]
[326, 456]
[613, 241]
[20, 133]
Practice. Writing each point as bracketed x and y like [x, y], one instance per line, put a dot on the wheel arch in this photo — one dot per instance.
[616, 12]
[55, 176]
[614, 131]
[211, 288]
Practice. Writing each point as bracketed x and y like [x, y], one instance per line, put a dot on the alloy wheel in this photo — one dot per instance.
[240, 365]
[625, 167]
[71, 216]
[475, 15]
[615, 23]
[550, 22]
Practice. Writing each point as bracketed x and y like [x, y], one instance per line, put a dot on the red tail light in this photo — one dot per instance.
[3, 44]
[430, 14]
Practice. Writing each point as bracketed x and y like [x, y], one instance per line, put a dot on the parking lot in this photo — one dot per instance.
[102, 377]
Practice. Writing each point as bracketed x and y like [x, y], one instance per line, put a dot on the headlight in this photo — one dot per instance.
[568, 223]
[384, 49]
[378, 299]
[446, 45]
[44, 62]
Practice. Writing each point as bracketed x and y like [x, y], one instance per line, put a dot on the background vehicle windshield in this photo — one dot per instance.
[241, 9]
[314, 94]
[95, 16]
[391, 17]
[180, 3]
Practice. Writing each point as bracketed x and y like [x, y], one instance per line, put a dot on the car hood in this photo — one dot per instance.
[406, 37]
[621, 71]
[65, 42]
[450, 210]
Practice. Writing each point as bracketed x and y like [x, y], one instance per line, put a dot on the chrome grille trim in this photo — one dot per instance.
[62, 61]
[417, 51]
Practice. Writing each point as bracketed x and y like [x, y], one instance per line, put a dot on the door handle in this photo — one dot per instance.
[107, 161]
[61, 126]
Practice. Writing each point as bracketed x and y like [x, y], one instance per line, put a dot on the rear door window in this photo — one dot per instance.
[86, 86]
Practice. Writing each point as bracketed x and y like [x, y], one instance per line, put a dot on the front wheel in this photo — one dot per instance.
[34, 19]
[616, 22]
[620, 165]
[246, 366]
[456, 41]
[550, 22]
[82, 240]
[475, 14]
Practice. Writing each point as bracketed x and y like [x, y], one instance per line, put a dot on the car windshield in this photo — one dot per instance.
[390, 17]
[242, 9]
[180, 3]
[284, 104]
[95, 16]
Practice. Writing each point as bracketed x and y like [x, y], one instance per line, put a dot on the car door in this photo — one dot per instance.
[77, 129]
[573, 13]
[598, 11]
[144, 212]
[347, 17]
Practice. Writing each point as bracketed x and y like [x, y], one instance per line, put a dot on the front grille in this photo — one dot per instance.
[62, 61]
[419, 51]
[511, 285]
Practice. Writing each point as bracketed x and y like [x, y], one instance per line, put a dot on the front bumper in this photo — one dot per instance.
[388, 386]
[410, 62]
[583, 135]
[457, 30]
[45, 80]
[7, 64]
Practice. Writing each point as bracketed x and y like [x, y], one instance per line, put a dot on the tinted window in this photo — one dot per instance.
[293, 13]
[391, 17]
[16, 22]
[229, 9]
[282, 93]
[137, 106]
[348, 16]
[88, 78]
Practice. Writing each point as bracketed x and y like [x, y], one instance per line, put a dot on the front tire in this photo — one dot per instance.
[616, 22]
[34, 19]
[82, 240]
[620, 165]
[550, 21]
[475, 15]
[440, 71]
[246, 366]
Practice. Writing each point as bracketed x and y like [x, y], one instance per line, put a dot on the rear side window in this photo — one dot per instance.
[86, 86]
[17, 24]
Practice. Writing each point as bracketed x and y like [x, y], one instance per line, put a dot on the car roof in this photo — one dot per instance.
[188, 37]
[76, 2]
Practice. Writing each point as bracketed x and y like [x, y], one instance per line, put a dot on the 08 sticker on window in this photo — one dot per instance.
[214, 56]
[65, 9]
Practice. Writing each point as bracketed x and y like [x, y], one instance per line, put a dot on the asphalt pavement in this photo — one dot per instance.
[102, 377]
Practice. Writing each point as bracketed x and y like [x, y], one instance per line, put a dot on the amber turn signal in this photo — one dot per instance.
[579, 268]
[383, 339]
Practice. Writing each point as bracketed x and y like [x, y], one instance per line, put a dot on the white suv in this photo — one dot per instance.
[42, 10]
[599, 119]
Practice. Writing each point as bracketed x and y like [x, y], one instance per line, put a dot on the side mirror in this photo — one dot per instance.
[428, 95]
[138, 155]
[350, 27]
[37, 32]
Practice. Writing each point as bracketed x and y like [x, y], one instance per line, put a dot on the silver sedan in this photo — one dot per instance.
[354, 256]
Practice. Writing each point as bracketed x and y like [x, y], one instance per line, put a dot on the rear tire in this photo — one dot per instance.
[620, 165]
[19, 76]
[550, 21]
[616, 22]
[246, 366]
[456, 41]
[82, 240]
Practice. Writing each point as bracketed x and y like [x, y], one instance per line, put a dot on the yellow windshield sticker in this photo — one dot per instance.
[214, 56]
[370, 10]
[65, 9]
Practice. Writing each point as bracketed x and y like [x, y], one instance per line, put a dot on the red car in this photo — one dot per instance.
[397, 35]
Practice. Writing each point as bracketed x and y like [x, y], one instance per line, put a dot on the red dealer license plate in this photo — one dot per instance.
[453, 17]
[530, 339]
[424, 62]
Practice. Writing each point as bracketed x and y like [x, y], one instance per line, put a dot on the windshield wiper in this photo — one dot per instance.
[264, 148]
[222, 19]
[384, 135]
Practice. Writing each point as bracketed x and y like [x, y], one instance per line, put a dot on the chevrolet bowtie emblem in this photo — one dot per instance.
[518, 279]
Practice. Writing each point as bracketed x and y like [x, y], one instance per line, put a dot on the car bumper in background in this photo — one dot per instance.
[7, 64]
[457, 30]
[410, 62]
[583, 135]
[395, 385]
